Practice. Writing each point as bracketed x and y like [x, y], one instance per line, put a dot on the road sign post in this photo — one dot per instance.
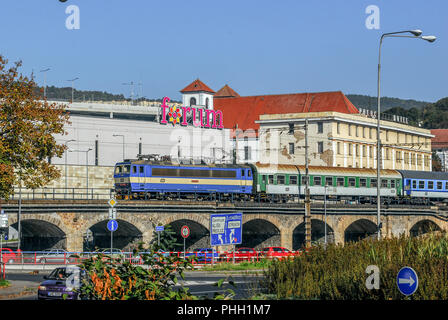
[158, 230]
[112, 226]
[185, 233]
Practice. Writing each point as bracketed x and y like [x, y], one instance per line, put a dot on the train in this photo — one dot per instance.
[165, 180]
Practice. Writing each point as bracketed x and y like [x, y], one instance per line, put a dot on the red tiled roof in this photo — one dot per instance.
[226, 92]
[195, 86]
[439, 141]
[244, 111]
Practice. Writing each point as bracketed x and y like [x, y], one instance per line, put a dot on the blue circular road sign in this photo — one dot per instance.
[112, 225]
[407, 281]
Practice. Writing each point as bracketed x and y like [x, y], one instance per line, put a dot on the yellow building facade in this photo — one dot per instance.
[343, 140]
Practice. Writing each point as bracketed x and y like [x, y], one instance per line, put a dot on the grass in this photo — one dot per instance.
[4, 283]
[240, 266]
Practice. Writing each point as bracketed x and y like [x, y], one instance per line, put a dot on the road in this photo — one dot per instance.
[200, 283]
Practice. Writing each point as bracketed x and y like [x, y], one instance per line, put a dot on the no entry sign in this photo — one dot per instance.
[185, 232]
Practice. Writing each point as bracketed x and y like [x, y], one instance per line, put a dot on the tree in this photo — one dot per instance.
[167, 239]
[27, 132]
[436, 162]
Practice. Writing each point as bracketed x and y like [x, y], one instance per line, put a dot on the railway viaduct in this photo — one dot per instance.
[81, 225]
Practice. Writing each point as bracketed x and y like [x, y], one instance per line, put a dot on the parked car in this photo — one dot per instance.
[9, 256]
[241, 254]
[276, 253]
[204, 255]
[62, 283]
[54, 256]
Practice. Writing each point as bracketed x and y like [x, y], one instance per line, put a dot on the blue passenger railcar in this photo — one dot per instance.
[149, 178]
[425, 184]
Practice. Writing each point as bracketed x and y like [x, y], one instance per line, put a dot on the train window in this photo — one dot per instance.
[392, 184]
[243, 173]
[263, 179]
[439, 185]
[384, 183]
[414, 184]
[446, 185]
[421, 184]
[280, 179]
[141, 169]
[249, 174]
[127, 169]
[270, 179]
[303, 180]
[430, 184]
[292, 179]
[118, 169]
[363, 182]
[329, 181]
[134, 169]
[373, 183]
[317, 181]
[351, 182]
[340, 182]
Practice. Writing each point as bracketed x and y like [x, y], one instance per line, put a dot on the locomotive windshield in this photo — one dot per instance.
[122, 169]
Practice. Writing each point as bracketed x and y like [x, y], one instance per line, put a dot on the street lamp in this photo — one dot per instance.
[66, 186]
[73, 80]
[45, 81]
[122, 136]
[416, 34]
[87, 167]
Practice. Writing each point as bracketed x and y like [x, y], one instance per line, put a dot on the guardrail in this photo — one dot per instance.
[62, 194]
[28, 258]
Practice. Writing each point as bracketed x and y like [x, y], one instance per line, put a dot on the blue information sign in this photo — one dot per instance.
[407, 281]
[226, 229]
[160, 228]
[112, 225]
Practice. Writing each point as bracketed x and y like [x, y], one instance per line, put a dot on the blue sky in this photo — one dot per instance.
[255, 46]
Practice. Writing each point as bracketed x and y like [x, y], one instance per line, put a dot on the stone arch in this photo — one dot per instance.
[41, 231]
[423, 226]
[360, 229]
[199, 235]
[259, 232]
[131, 231]
[317, 233]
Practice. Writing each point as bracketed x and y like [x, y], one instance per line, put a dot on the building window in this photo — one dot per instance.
[192, 101]
[206, 102]
[291, 128]
[349, 149]
[339, 148]
[356, 130]
[370, 133]
[338, 127]
[139, 148]
[357, 149]
[247, 153]
[291, 148]
[320, 127]
[320, 147]
[349, 129]
[363, 132]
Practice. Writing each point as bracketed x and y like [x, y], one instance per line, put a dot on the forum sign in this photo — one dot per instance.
[184, 116]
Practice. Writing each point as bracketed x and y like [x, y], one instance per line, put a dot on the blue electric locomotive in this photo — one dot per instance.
[153, 179]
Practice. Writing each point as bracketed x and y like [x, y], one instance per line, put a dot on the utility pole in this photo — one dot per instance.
[236, 144]
[307, 193]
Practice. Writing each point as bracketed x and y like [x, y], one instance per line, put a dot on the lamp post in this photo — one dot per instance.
[66, 185]
[73, 80]
[122, 136]
[416, 34]
[45, 81]
[87, 168]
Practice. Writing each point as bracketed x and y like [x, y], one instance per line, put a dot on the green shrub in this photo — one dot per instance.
[339, 272]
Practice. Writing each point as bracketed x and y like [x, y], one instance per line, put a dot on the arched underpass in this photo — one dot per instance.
[317, 234]
[422, 227]
[360, 229]
[37, 235]
[126, 237]
[199, 235]
[259, 233]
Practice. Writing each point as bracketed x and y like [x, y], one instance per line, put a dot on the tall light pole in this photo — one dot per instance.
[66, 185]
[73, 80]
[45, 81]
[122, 136]
[132, 90]
[416, 34]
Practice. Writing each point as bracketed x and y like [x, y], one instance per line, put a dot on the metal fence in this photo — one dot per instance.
[62, 194]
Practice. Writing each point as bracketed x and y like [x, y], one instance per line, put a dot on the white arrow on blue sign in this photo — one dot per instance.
[112, 225]
[407, 281]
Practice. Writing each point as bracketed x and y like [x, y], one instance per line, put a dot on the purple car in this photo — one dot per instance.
[62, 283]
